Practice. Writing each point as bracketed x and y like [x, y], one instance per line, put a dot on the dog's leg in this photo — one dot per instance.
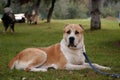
[37, 63]
[38, 69]
[84, 66]
[44, 68]
[97, 66]
[5, 26]
[12, 27]
[75, 67]
[34, 68]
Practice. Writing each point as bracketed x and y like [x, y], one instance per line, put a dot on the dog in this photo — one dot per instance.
[67, 55]
[31, 17]
[8, 19]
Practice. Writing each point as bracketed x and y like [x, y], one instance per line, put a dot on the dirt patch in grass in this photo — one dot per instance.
[117, 43]
[110, 18]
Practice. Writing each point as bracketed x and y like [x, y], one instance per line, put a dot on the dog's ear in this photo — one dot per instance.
[65, 27]
[81, 28]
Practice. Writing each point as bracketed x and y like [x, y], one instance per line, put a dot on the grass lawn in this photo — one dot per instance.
[102, 46]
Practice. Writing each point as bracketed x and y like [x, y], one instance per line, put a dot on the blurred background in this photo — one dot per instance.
[64, 9]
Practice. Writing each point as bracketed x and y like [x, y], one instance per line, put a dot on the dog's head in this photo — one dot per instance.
[73, 35]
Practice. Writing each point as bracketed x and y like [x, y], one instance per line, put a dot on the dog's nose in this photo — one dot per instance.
[71, 40]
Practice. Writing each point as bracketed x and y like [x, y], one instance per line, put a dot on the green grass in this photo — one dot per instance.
[102, 47]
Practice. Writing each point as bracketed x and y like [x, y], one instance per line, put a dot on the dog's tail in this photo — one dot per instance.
[11, 64]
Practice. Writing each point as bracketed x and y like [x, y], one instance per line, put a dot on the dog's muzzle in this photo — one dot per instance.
[71, 42]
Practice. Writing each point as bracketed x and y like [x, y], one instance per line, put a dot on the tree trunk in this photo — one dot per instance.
[8, 3]
[51, 11]
[95, 15]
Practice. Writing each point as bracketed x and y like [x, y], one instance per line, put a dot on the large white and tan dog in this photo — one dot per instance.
[65, 55]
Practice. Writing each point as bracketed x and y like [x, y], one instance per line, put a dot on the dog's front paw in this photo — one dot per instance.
[107, 68]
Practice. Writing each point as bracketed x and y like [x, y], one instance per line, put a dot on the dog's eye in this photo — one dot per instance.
[68, 32]
[76, 32]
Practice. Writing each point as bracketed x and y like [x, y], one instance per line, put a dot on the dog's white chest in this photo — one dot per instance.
[73, 57]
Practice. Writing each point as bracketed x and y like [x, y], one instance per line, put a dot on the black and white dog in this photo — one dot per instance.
[8, 19]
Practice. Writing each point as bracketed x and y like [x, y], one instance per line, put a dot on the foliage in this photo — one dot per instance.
[67, 8]
[75, 11]
[102, 46]
[111, 9]
[60, 11]
[2, 4]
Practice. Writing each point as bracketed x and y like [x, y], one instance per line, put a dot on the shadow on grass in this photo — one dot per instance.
[13, 34]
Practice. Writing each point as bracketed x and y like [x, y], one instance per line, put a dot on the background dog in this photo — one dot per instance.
[8, 19]
[68, 54]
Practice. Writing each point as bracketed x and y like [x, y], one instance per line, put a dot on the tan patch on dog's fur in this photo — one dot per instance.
[54, 55]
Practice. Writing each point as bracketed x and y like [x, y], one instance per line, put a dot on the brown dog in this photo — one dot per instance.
[65, 55]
